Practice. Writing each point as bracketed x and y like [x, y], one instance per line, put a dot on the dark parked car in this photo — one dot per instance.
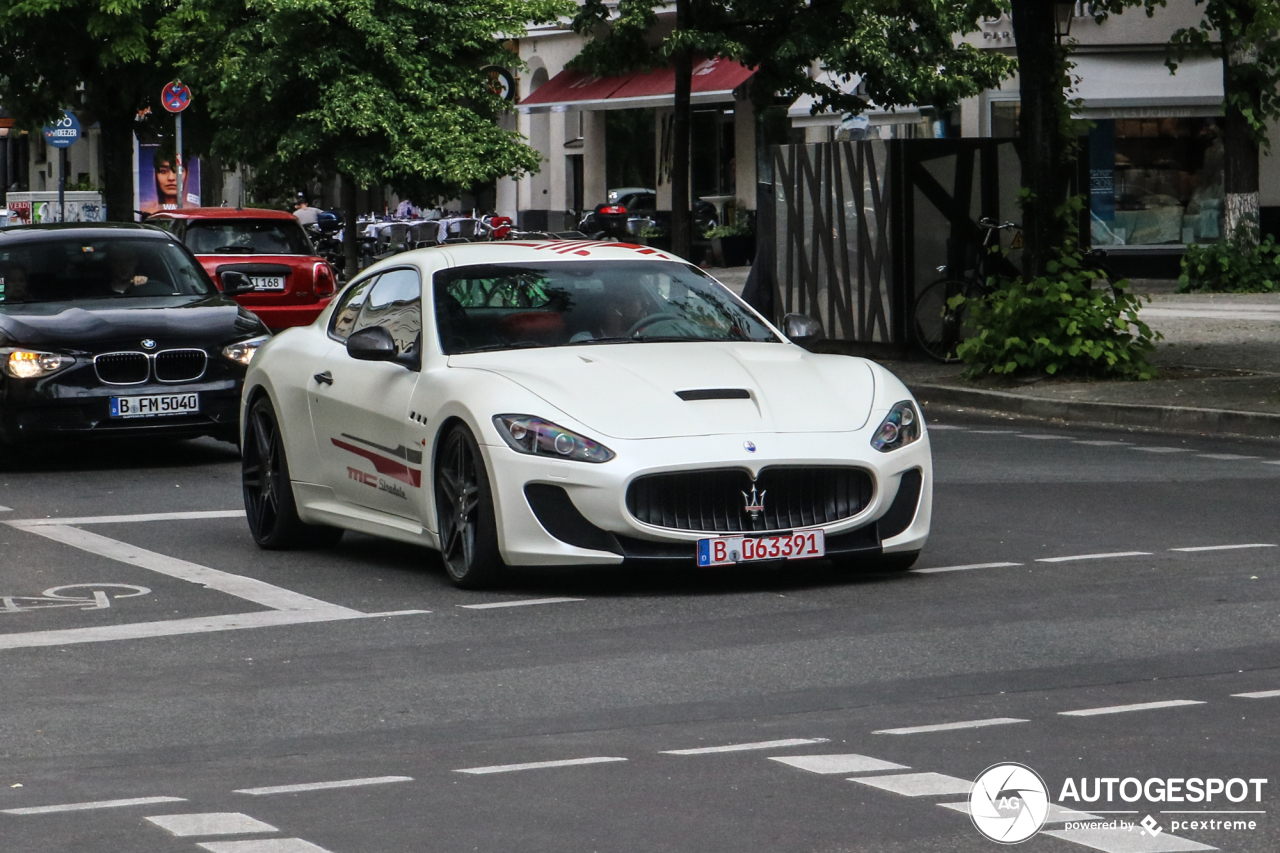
[117, 330]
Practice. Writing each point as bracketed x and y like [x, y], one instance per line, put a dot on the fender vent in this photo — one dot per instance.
[715, 394]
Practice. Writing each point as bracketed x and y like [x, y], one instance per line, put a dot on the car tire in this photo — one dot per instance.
[268, 489]
[464, 513]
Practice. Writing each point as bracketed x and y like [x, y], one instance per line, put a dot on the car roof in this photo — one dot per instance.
[50, 232]
[516, 251]
[223, 213]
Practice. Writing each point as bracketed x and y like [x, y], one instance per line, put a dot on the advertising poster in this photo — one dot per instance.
[158, 179]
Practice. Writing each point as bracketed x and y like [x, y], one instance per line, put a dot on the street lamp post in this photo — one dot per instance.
[1064, 12]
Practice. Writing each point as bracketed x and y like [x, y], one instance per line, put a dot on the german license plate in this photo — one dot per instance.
[155, 405]
[267, 282]
[724, 550]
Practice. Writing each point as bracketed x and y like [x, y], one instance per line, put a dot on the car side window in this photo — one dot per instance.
[395, 303]
[343, 321]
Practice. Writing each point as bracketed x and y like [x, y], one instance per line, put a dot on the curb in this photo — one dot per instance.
[1165, 418]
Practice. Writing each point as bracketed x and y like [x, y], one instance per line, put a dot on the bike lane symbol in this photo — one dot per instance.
[84, 596]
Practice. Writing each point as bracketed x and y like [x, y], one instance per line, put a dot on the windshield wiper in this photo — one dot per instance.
[489, 347]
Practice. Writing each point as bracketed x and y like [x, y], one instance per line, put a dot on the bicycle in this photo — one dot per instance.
[941, 327]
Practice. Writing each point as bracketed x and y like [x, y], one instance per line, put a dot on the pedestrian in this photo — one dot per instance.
[304, 213]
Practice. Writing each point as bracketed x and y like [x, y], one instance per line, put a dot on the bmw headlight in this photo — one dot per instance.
[243, 351]
[527, 434]
[25, 364]
[899, 428]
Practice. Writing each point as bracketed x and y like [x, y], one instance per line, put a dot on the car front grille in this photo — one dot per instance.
[716, 500]
[180, 365]
[122, 368]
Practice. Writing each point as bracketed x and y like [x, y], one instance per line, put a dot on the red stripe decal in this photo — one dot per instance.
[393, 468]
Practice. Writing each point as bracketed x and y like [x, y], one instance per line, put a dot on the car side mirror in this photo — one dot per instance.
[372, 344]
[801, 328]
[235, 283]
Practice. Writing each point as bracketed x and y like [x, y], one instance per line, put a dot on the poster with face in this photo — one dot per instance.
[158, 179]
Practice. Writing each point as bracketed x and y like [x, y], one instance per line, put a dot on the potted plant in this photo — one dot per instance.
[658, 238]
[732, 245]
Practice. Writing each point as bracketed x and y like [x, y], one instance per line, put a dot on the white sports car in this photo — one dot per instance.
[561, 403]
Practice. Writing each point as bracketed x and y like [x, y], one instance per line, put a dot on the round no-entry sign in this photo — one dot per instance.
[64, 132]
[175, 97]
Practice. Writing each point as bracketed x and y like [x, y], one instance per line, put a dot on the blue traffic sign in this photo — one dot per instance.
[63, 133]
[175, 97]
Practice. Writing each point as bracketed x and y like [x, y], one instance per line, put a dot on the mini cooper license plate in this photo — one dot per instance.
[268, 282]
[155, 405]
[724, 550]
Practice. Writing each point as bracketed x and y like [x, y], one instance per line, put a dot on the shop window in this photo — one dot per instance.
[1155, 181]
[630, 150]
[713, 167]
[1005, 116]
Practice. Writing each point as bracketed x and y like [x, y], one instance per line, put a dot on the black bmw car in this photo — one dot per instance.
[116, 330]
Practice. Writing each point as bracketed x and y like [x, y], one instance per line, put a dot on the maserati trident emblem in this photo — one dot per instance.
[147, 343]
[750, 446]
[755, 502]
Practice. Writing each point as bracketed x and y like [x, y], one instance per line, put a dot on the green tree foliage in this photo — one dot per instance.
[904, 51]
[379, 91]
[95, 56]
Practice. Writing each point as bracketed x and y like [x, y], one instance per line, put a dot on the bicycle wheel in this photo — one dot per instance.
[939, 328]
[1095, 261]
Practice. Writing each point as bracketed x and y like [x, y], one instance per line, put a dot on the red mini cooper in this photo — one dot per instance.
[292, 285]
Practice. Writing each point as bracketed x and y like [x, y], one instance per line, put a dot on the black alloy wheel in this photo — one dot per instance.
[464, 510]
[268, 490]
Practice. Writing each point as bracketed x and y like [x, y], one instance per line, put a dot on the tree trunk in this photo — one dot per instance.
[349, 244]
[1044, 168]
[117, 164]
[1240, 160]
[681, 229]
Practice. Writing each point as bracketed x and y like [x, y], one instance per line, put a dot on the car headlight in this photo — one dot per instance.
[527, 434]
[243, 351]
[25, 364]
[899, 428]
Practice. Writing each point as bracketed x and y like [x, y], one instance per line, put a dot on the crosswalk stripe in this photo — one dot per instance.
[212, 823]
[1057, 814]
[1224, 547]
[263, 845]
[830, 764]
[525, 602]
[918, 784]
[741, 747]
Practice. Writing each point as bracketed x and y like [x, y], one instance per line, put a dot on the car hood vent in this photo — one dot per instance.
[715, 394]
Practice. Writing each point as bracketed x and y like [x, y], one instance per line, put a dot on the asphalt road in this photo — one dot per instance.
[161, 676]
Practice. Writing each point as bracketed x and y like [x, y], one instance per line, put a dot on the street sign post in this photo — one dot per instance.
[62, 134]
[175, 98]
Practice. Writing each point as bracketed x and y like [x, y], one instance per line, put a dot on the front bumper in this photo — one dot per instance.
[552, 512]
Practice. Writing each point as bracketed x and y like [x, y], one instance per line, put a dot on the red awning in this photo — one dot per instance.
[714, 81]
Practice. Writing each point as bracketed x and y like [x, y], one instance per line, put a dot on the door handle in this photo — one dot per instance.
[325, 378]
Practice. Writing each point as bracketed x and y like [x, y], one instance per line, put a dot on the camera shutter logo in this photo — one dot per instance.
[1009, 803]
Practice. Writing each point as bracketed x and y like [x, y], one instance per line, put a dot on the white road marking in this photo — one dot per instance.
[1261, 694]
[1163, 449]
[943, 426]
[6, 509]
[1225, 547]
[946, 727]
[522, 603]
[127, 519]
[1101, 443]
[964, 568]
[1271, 462]
[170, 628]
[538, 765]
[100, 804]
[210, 823]
[994, 431]
[838, 763]
[264, 845]
[1057, 814]
[743, 747]
[1121, 709]
[259, 592]
[1225, 456]
[1132, 840]
[324, 786]
[398, 613]
[918, 784]
[1094, 556]
[1044, 437]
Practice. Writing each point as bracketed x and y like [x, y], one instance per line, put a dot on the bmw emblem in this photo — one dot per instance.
[147, 343]
[750, 446]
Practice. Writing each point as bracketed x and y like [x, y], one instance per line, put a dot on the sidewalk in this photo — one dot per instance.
[1219, 371]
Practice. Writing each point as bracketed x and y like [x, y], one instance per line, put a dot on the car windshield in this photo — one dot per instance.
[247, 237]
[80, 268]
[580, 303]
